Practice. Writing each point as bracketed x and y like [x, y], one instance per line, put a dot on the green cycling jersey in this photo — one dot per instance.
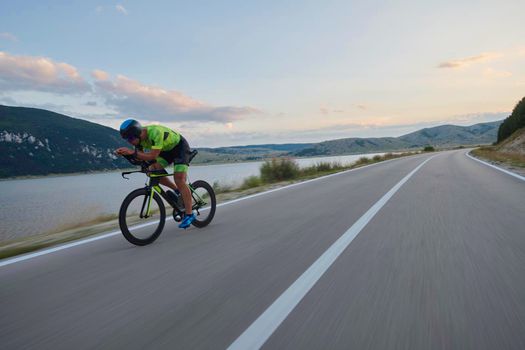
[160, 137]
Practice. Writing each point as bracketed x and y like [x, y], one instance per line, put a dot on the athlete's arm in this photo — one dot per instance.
[154, 153]
[151, 155]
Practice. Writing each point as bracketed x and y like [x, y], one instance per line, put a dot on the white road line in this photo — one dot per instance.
[23, 257]
[64, 246]
[263, 327]
[496, 167]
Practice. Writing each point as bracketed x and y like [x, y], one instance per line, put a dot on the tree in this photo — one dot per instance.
[513, 122]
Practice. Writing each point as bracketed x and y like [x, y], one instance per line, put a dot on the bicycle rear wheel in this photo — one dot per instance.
[203, 200]
[136, 226]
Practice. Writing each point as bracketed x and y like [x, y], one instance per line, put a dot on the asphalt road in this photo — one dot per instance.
[440, 266]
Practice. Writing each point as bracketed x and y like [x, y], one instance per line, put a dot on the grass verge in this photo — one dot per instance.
[491, 153]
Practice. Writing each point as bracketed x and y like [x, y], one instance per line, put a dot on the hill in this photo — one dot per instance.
[39, 142]
[514, 144]
[439, 136]
[509, 153]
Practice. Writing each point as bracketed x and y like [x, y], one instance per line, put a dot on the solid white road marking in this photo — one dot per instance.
[263, 327]
[64, 246]
[496, 167]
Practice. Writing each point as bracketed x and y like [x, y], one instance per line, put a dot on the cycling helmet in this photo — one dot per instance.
[130, 129]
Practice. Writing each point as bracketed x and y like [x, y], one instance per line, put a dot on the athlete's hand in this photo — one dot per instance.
[123, 151]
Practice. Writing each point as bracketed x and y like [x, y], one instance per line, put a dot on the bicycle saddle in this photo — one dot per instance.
[192, 154]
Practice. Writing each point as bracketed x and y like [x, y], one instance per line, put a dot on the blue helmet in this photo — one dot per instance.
[130, 129]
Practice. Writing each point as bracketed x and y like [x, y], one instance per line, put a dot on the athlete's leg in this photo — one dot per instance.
[163, 180]
[180, 181]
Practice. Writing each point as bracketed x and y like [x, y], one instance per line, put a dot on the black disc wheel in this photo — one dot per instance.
[142, 218]
[204, 202]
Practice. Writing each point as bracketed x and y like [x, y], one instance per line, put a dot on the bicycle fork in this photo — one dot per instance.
[146, 204]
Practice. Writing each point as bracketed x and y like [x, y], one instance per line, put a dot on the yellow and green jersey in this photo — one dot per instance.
[160, 137]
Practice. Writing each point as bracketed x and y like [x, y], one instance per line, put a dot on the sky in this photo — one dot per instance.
[250, 72]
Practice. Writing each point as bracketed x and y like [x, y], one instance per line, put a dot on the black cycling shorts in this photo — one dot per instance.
[178, 155]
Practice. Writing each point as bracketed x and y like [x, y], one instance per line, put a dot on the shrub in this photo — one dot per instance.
[377, 158]
[428, 149]
[250, 182]
[279, 169]
[362, 160]
[311, 170]
[218, 188]
[323, 166]
[337, 166]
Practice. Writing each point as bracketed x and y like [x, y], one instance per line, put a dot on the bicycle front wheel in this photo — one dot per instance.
[142, 218]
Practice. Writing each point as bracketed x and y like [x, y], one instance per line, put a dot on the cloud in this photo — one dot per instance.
[326, 111]
[154, 103]
[8, 36]
[121, 9]
[100, 75]
[475, 118]
[39, 74]
[465, 62]
[122, 95]
[495, 74]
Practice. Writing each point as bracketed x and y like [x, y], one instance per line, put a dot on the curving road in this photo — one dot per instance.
[425, 252]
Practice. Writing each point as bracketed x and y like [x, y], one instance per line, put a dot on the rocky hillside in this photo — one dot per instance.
[38, 142]
[515, 144]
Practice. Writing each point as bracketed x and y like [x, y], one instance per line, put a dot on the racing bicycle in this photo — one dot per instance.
[142, 214]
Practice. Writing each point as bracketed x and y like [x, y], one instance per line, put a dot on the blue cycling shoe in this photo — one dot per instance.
[186, 222]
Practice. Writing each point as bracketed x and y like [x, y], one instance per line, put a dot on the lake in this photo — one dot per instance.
[52, 204]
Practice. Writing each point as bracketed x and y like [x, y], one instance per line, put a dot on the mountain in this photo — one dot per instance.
[453, 135]
[439, 136]
[39, 142]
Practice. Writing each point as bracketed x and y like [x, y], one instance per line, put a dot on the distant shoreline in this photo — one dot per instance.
[55, 175]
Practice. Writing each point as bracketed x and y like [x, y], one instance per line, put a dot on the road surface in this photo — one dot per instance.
[437, 262]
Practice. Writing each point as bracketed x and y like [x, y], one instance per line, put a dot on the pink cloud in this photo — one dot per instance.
[495, 74]
[465, 62]
[100, 75]
[154, 103]
[39, 73]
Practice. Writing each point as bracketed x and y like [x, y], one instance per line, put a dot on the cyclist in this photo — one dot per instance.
[164, 146]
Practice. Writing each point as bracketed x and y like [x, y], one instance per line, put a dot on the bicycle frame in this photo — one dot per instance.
[154, 186]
